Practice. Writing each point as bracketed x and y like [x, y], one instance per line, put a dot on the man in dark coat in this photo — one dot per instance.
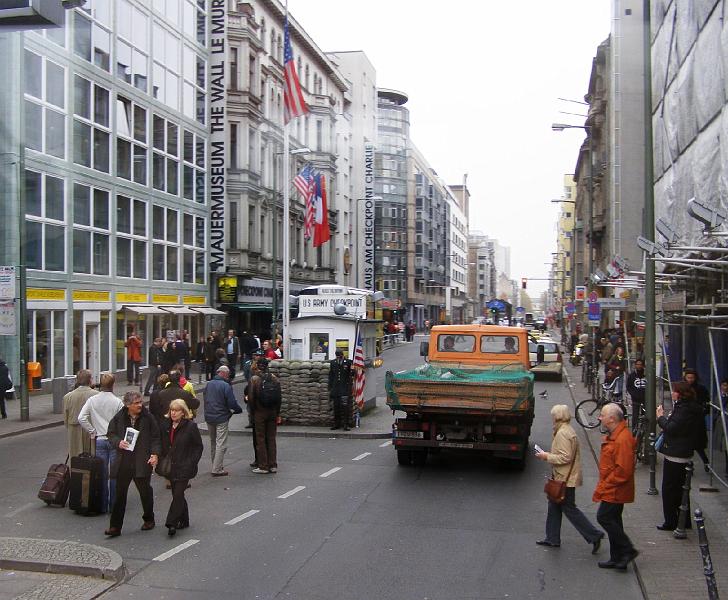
[156, 359]
[159, 403]
[636, 384]
[248, 345]
[231, 345]
[5, 385]
[133, 464]
[340, 382]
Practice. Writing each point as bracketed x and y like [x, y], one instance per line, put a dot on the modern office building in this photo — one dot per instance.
[254, 175]
[111, 112]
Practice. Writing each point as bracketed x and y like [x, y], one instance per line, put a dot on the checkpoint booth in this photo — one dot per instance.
[319, 331]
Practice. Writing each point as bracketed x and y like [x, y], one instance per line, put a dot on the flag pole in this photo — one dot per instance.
[286, 301]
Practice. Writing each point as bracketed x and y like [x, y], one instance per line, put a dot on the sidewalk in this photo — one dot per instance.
[667, 568]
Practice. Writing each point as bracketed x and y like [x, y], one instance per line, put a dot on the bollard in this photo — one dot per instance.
[679, 533]
[200, 364]
[142, 372]
[652, 460]
[705, 554]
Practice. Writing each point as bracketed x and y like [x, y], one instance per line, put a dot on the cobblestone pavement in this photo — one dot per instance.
[24, 585]
[667, 568]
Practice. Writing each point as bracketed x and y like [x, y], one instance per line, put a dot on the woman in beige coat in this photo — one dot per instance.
[564, 452]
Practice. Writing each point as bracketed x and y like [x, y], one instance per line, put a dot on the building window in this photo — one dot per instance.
[131, 151]
[165, 249]
[132, 46]
[45, 248]
[91, 125]
[194, 69]
[234, 146]
[131, 238]
[193, 250]
[47, 329]
[90, 230]
[167, 50]
[45, 103]
[193, 177]
[165, 157]
[92, 37]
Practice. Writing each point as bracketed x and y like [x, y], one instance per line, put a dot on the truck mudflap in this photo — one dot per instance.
[497, 448]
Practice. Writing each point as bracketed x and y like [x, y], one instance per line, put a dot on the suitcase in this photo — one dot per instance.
[86, 484]
[54, 489]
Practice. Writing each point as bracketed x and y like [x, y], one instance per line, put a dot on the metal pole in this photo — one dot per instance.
[684, 518]
[23, 302]
[274, 251]
[590, 256]
[705, 555]
[648, 230]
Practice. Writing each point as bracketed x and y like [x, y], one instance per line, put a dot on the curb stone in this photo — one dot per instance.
[61, 557]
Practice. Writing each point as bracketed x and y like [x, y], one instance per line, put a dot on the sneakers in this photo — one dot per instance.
[260, 471]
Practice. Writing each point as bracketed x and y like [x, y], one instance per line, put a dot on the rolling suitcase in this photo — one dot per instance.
[54, 489]
[86, 481]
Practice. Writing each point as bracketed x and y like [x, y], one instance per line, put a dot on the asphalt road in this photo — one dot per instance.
[340, 520]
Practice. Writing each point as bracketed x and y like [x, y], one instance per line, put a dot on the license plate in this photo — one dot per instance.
[455, 445]
[410, 434]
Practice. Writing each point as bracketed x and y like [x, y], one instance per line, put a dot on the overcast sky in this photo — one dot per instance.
[483, 78]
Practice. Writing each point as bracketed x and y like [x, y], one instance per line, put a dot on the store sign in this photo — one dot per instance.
[132, 298]
[227, 290]
[365, 224]
[193, 300]
[257, 291]
[91, 296]
[218, 132]
[324, 305]
[391, 304]
[580, 293]
[165, 299]
[7, 283]
[612, 303]
[45, 294]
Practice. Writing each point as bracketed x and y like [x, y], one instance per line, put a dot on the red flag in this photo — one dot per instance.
[321, 231]
[293, 103]
[358, 365]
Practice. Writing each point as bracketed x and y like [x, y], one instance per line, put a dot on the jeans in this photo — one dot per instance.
[152, 379]
[106, 452]
[218, 444]
[123, 479]
[178, 513]
[553, 520]
[132, 371]
[609, 516]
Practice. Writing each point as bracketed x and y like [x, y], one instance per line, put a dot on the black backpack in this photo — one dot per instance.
[270, 392]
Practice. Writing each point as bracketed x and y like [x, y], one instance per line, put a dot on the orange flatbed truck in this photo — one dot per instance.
[474, 393]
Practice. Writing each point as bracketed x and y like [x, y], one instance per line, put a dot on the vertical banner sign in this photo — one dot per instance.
[218, 132]
[365, 222]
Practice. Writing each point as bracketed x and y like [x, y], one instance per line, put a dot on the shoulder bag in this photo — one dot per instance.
[556, 490]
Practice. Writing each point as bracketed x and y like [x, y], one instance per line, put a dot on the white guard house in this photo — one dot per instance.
[319, 331]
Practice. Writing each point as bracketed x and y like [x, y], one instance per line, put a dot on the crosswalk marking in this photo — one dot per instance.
[290, 493]
[364, 455]
[385, 444]
[175, 550]
[330, 472]
[239, 518]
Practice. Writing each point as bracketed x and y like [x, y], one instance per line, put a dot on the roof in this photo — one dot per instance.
[492, 329]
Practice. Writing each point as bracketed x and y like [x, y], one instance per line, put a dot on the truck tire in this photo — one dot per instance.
[404, 457]
[419, 457]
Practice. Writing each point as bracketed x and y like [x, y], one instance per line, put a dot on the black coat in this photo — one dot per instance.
[159, 402]
[683, 430]
[148, 442]
[340, 378]
[185, 450]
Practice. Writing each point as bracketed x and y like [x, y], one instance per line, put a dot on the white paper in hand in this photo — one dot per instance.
[131, 437]
[537, 448]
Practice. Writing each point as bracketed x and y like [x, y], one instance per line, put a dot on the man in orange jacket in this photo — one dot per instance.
[616, 485]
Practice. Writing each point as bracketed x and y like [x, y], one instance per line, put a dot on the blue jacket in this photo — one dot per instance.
[220, 402]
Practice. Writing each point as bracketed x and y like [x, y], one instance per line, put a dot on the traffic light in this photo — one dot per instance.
[523, 282]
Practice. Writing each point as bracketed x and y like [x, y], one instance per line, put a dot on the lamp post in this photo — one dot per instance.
[590, 266]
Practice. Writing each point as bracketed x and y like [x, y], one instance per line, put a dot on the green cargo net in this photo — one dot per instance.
[509, 383]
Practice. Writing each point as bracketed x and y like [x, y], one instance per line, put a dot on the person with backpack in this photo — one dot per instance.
[264, 397]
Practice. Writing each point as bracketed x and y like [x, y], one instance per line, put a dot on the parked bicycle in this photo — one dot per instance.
[588, 411]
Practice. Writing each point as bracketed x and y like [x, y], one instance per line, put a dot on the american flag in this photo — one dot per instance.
[293, 103]
[304, 183]
[358, 366]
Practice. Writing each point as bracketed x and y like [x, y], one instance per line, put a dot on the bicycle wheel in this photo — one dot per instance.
[587, 413]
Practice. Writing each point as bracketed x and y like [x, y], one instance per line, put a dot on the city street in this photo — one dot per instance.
[339, 520]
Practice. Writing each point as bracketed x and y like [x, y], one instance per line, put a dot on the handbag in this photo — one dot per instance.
[556, 490]
[659, 442]
[164, 466]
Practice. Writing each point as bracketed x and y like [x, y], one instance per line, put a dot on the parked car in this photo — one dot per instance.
[551, 363]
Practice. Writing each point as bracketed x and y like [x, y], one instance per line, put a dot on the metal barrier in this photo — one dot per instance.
[705, 555]
[392, 339]
[684, 517]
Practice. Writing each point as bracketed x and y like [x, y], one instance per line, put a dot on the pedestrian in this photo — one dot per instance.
[264, 396]
[78, 438]
[682, 433]
[617, 362]
[616, 485]
[5, 384]
[565, 459]
[221, 359]
[636, 384]
[605, 352]
[690, 376]
[268, 351]
[187, 353]
[181, 441]
[133, 347]
[135, 458]
[220, 405]
[251, 367]
[160, 403]
[210, 348]
[94, 417]
[156, 360]
[231, 345]
[169, 358]
[248, 345]
[340, 389]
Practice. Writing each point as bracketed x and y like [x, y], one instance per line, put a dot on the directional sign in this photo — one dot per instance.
[497, 304]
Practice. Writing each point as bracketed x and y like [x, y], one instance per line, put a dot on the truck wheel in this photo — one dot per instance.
[419, 458]
[404, 457]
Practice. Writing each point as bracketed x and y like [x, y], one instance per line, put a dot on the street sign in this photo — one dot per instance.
[570, 308]
[595, 313]
[612, 303]
[593, 297]
[7, 283]
[580, 293]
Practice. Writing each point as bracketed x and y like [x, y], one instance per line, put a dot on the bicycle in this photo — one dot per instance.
[641, 436]
[588, 411]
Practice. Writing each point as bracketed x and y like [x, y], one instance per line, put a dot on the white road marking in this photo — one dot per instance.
[290, 493]
[385, 444]
[175, 550]
[362, 456]
[12, 513]
[237, 519]
[330, 472]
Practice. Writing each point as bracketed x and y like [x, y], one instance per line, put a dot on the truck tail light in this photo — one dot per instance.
[506, 429]
[425, 426]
